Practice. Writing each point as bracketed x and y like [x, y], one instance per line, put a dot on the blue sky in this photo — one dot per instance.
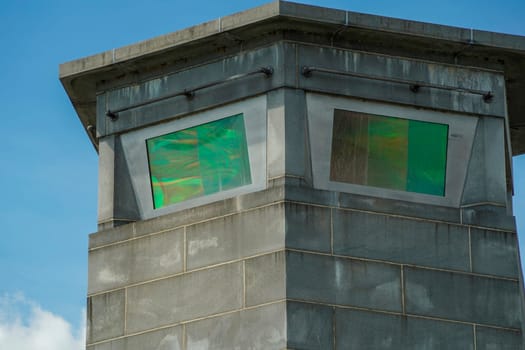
[49, 168]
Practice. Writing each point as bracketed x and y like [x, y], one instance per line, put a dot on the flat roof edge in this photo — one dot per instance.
[297, 11]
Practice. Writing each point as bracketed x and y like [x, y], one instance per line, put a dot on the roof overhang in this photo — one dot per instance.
[83, 78]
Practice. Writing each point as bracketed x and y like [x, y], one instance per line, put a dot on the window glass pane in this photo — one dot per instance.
[198, 161]
[387, 152]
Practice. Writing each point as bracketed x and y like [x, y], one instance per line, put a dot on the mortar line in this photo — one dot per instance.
[470, 248]
[332, 230]
[334, 329]
[125, 310]
[184, 252]
[474, 333]
[244, 284]
[184, 336]
[403, 307]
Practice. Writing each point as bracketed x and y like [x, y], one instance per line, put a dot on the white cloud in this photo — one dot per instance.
[24, 325]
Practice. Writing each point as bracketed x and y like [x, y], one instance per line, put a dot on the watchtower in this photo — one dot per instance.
[296, 177]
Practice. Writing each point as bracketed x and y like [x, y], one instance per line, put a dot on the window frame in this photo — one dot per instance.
[135, 153]
[462, 128]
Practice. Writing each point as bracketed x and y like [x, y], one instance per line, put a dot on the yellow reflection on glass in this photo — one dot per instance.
[394, 153]
[198, 161]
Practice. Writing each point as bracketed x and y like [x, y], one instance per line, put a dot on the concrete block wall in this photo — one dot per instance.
[295, 267]
[295, 275]
[212, 278]
[389, 281]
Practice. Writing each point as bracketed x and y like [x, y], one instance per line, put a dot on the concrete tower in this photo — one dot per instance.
[296, 177]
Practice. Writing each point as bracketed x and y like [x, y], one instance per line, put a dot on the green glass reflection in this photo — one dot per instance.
[387, 152]
[198, 161]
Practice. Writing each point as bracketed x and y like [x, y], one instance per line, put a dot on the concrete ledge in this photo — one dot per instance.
[309, 24]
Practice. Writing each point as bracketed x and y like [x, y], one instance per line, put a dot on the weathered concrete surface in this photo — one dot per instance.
[259, 328]
[400, 240]
[330, 280]
[260, 25]
[439, 281]
[463, 297]
[366, 330]
[290, 265]
[235, 236]
[184, 298]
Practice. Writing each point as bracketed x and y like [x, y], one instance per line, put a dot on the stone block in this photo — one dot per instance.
[494, 253]
[105, 316]
[485, 182]
[235, 236]
[265, 278]
[164, 339]
[488, 216]
[112, 235]
[497, 339]
[326, 279]
[295, 132]
[310, 326]
[276, 134]
[258, 328]
[401, 240]
[308, 227]
[462, 297]
[186, 297]
[135, 261]
[361, 330]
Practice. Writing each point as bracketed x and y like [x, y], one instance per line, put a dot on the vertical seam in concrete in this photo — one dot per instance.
[184, 252]
[333, 328]
[332, 230]
[183, 336]
[296, 66]
[403, 308]
[220, 24]
[244, 284]
[474, 333]
[470, 248]
[346, 18]
[125, 310]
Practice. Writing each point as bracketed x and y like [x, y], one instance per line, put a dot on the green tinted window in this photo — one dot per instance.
[394, 153]
[198, 161]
